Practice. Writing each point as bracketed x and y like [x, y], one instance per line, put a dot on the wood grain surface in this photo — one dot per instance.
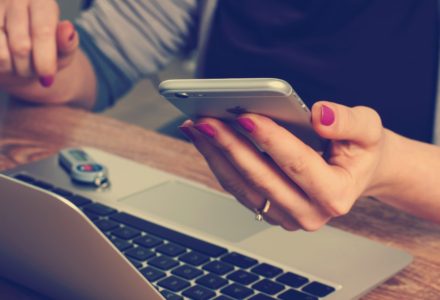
[31, 133]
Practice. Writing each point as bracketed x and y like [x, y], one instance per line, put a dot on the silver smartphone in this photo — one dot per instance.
[226, 99]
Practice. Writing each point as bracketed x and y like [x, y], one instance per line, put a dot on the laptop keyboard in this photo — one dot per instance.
[184, 267]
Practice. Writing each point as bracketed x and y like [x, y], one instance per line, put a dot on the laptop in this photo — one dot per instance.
[154, 235]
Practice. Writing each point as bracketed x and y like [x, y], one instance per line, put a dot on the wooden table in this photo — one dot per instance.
[31, 133]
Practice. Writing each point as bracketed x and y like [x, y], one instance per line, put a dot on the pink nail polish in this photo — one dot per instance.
[187, 132]
[47, 81]
[247, 124]
[206, 129]
[327, 116]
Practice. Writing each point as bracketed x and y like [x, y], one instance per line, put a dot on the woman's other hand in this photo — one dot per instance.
[34, 44]
[305, 189]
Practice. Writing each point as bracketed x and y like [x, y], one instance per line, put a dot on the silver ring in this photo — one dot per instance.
[259, 213]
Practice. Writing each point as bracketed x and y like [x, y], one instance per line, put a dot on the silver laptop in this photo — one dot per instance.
[153, 235]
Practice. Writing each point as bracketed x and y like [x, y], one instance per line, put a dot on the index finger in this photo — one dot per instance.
[44, 16]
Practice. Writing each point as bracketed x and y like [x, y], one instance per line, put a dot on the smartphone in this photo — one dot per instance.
[226, 99]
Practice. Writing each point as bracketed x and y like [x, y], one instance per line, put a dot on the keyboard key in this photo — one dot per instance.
[148, 241]
[163, 262]
[140, 253]
[78, 200]
[212, 281]
[152, 274]
[296, 295]
[292, 279]
[91, 216]
[187, 272]
[106, 225]
[239, 260]
[43, 185]
[120, 244]
[261, 297]
[267, 270]
[135, 263]
[173, 283]
[198, 292]
[171, 235]
[237, 291]
[218, 267]
[170, 296]
[268, 286]
[171, 249]
[223, 297]
[318, 289]
[25, 178]
[243, 277]
[61, 192]
[99, 209]
[194, 258]
[126, 233]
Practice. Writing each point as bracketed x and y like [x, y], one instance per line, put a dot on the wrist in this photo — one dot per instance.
[84, 92]
[386, 176]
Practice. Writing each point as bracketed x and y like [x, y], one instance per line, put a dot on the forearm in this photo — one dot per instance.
[74, 85]
[409, 176]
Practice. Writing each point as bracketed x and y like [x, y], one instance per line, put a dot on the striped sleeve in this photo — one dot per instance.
[132, 39]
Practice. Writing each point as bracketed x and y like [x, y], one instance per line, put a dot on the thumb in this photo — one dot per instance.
[360, 124]
[67, 39]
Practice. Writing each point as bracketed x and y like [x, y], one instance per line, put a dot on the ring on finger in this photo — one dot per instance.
[259, 213]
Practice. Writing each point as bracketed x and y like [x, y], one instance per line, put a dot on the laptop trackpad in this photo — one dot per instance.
[199, 209]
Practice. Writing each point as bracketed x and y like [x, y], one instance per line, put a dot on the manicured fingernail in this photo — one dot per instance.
[187, 132]
[47, 81]
[206, 129]
[327, 116]
[247, 124]
[72, 36]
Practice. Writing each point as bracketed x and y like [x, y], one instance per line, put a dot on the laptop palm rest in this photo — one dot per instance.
[198, 209]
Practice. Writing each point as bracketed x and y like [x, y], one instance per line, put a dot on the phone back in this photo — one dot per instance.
[226, 99]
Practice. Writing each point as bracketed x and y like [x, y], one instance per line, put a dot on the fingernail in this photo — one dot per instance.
[72, 36]
[47, 81]
[187, 132]
[327, 116]
[206, 129]
[247, 124]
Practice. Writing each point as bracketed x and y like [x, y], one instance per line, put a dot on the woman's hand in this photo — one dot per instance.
[305, 189]
[34, 45]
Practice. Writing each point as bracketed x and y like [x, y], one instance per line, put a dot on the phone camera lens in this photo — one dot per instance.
[181, 95]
